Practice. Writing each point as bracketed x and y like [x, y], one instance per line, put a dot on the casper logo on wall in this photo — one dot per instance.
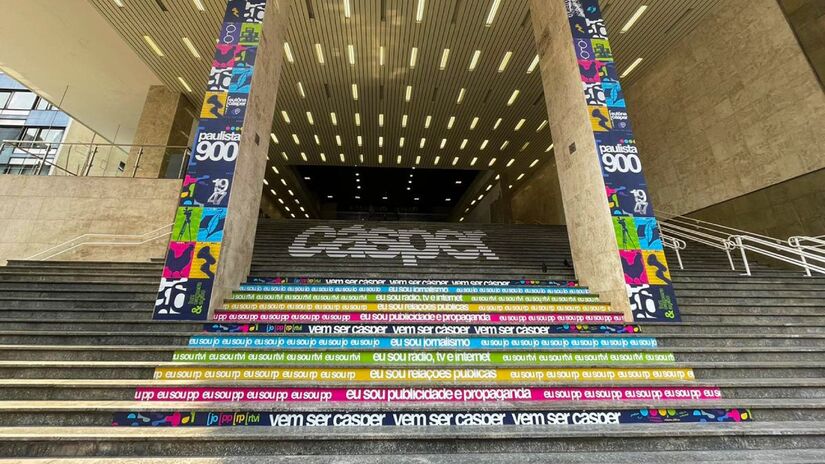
[194, 250]
[409, 245]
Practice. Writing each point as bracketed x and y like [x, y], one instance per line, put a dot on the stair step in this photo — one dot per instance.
[195, 441]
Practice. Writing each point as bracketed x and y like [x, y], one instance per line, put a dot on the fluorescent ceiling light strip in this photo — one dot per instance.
[288, 52]
[533, 65]
[630, 22]
[153, 45]
[474, 60]
[445, 55]
[632, 67]
[505, 61]
[491, 16]
[191, 47]
[419, 12]
[184, 84]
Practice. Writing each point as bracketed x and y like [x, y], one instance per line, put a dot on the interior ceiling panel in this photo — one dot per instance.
[383, 79]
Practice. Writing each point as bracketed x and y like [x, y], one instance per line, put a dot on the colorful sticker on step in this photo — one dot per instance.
[409, 343]
[197, 234]
[429, 418]
[419, 358]
[413, 307]
[427, 375]
[424, 282]
[428, 329]
[293, 317]
[426, 394]
[536, 290]
[647, 277]
[410, 298]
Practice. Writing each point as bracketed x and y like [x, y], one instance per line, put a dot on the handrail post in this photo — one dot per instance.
[92, 154]
[137, 161]
[738, 240]
[679, 257]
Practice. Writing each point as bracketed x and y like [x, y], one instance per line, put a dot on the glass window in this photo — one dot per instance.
[22, 101]
[43, 104]
[4, 98]
[52, 136]
[9, 133]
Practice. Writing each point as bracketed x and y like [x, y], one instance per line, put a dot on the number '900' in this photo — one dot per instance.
[621, 162]
[216, 151]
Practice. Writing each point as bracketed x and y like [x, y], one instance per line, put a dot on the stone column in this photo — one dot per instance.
[613, 234]
[165, 121]
[211, 246]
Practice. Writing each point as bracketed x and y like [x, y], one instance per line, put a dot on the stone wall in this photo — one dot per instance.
[538, 199]
[735, 107]
[40, 212]
[794, 207]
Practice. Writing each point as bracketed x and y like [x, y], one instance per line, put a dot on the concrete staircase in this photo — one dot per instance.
[79, 353]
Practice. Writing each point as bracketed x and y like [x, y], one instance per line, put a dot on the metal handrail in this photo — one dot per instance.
[774, 250]
[26, 146]
[144, 238]
[675, 244]
[703, 235]
[805, 252]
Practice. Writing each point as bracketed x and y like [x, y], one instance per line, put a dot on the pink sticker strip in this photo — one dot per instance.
[426, 395]
[418, 318]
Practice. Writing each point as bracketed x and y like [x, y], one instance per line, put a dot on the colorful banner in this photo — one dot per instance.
[395, 375]
[429, 329]
[419, 358]
[428, 418]
[428, 282]
[426, 394]
[416, 307]
[410, 298]
[286, 342]
[195, 246]
[420, 317]
[255, 289]
[637, 233]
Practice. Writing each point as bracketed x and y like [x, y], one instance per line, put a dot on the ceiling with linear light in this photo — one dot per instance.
[436, 84]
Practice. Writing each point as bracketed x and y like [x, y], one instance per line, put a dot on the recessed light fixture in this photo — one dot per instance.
[184, 84]
[473, 161]
[463, 144]
[323, 158]
[491, 16]
[520, 176]
[310, 119]
[357, 119]
[533, 65]
[484, 144]
[317, 139]
[334, 119]
[423, 142]
[451, 122]
[351, 54]
[632, 67]
[347, 9]
[455, 160]
[408, 94]
[458, 182]
[285, 116]
[266, 182]
[119, 3]
[504, 145]
[288, 52]
[304, 156]
[341, 157]
[419, 11]
[418, 159]
[513, 98]
[492, 162]
[474, 123]
[510, 163]
[445, 55]
[520, 123]
[549, 148]
[474, 60]
[427, 121]
[404, 120]
[306, 178]
[436, 160]
[398, 159]
[296, 139]
[448, 199]
[319, 53]
[153, 45]
[413, 57]
[191, 47]
[461, 95]
[542, 125]
[381, 55]
[443, 143]
[355, 91]
[381, 120]
[301, 90]
[505, 61]
[498, 123]
[630, 22]
[338, 140]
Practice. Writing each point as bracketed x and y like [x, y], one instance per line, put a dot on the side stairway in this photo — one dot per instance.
[499, 362]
